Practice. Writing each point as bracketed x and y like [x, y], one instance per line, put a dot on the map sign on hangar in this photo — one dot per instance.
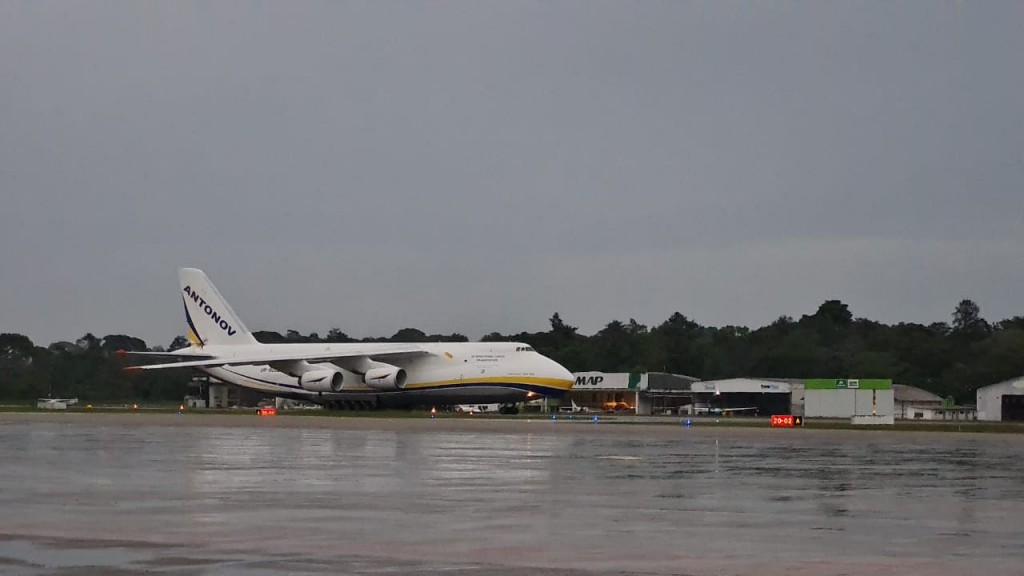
[630, 392]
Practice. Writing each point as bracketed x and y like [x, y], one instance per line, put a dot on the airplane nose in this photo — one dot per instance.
[566, 374]
[559, 372]
[558, 379]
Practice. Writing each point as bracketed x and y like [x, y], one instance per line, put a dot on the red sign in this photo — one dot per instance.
[786, 421]
[267, 411]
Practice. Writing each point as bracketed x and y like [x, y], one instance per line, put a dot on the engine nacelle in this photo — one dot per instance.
[385, 377]
[322, 380]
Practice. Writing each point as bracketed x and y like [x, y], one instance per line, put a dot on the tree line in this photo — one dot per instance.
[949, 359]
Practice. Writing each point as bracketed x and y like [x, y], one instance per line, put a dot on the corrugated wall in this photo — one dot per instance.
[844, 403]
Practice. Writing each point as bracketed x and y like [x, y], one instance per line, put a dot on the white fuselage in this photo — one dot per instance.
[447, 373]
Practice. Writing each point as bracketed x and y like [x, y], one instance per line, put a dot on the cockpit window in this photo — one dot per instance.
[524, 349]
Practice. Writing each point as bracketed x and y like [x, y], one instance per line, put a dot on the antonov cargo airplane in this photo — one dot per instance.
[382, 374]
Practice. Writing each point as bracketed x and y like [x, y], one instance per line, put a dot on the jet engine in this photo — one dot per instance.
[322, 380]
[385, 377]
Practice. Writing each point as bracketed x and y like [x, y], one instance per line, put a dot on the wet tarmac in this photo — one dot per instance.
[102, 494]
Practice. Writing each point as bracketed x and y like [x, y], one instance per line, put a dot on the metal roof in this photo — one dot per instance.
[904, 393]
[1011, 384]
[741, 385]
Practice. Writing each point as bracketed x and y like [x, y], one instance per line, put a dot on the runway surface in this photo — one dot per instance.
[194, 495]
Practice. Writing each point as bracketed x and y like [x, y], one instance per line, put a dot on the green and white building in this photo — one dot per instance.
[848, 397]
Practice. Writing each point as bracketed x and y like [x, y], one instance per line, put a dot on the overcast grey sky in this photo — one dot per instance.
[475, 166]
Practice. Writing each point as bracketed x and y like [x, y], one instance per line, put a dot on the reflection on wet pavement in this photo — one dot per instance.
[84, 498]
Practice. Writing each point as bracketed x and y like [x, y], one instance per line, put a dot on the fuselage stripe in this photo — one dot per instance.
[188, 318]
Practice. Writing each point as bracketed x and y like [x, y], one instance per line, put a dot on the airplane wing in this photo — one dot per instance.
[394, 352]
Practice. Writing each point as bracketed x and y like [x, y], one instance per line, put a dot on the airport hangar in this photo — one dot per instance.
[1003, 401]
[660, 393]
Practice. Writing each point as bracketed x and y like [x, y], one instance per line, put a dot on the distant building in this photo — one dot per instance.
[659, 393]
[916, 404]
[633, 392]
[908, 401]
[208, 392]
[848, 397]
[954, 413]
[746, 397]
[1003, 401]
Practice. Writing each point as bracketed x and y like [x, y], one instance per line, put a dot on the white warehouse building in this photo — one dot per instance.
[747, 397]
[1003, 401]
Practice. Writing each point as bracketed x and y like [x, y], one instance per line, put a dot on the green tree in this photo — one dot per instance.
[410, 335]
[115, 342]
[1015, 323]
[15, 349]
[178, 343]
[335, 335]
[835, 312]
[18, 366]
[967, 319]
[561, 333]
[269, 337]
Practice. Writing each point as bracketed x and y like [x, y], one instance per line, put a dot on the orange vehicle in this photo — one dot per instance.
[615, 407]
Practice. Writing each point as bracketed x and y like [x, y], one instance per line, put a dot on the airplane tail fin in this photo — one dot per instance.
[211, 321]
